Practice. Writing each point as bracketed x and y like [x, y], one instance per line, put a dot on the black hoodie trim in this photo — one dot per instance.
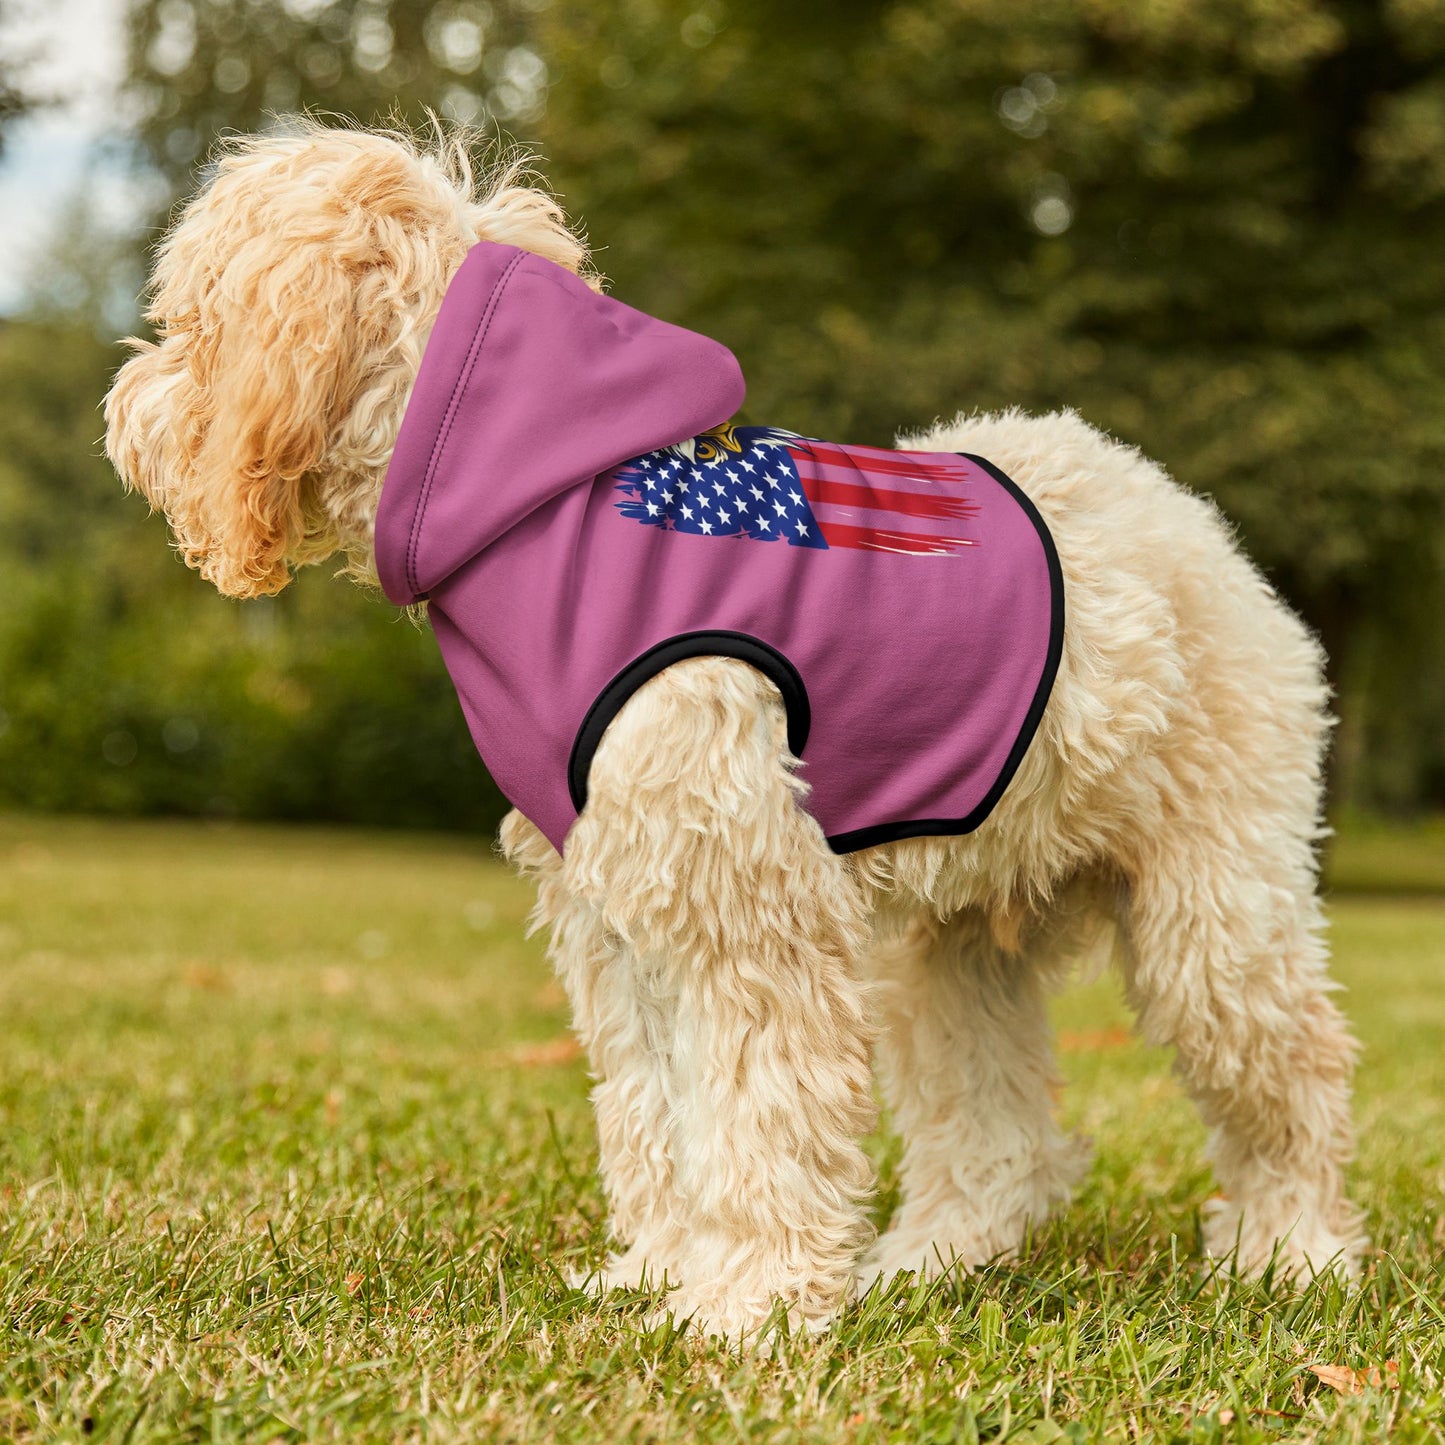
[740, 645]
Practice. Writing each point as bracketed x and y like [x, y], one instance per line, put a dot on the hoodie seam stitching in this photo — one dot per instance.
[484, 325]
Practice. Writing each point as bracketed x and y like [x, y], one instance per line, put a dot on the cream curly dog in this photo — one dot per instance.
[731, 974]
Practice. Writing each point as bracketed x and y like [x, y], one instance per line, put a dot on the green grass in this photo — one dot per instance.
[284, 1155]
[1374, 856]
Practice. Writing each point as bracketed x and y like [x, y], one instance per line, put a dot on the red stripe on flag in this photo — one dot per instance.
[880, 539]
[886, 499]
[898, 464]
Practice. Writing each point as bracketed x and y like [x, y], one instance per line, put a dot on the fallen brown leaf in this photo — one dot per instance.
[561, 1050]
[203, 975]
[1347, 1381]
[354, 1283]
[551, 995]
[1096, 1041]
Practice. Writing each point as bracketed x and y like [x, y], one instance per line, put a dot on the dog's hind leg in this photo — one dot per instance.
[1224, 949]
[966, 1060]
[696, 855]
[1225, 961]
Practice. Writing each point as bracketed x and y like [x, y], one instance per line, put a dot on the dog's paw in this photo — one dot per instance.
[897, 1254]
[632, 1270]
[957, 1243]
[965, 1228]
[753, 1324]
[1298, 1248]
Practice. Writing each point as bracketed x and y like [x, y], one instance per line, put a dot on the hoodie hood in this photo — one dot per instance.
[531, 385]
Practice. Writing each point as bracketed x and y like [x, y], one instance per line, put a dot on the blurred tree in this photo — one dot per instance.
[202, 67]
[58, 495]
[1215, 229]
[15, 97]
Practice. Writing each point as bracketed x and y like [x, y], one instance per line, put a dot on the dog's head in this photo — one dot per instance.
[291, 302]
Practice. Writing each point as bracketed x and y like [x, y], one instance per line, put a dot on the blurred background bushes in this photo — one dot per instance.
[126, 686]
[1214, 227]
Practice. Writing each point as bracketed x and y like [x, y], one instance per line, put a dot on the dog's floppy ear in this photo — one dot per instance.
[276, 354]
[221, 421]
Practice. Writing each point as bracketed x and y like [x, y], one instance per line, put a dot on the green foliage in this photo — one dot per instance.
[272, 710]
[127, 686]
[281, 1157]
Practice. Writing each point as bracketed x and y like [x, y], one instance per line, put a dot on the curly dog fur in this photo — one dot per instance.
[731, 978]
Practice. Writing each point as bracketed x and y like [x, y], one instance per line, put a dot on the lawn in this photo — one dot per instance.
[293, 1146]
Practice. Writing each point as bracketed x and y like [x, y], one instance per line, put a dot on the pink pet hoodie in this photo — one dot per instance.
[567, 495]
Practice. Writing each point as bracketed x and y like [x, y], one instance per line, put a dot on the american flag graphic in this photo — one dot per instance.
[767, 485]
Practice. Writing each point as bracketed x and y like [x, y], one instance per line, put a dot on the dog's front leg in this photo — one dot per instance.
[741, 929]
[623, 1020]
